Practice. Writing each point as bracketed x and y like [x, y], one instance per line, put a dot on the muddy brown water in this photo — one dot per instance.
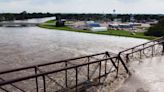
[147, 76]
[24, 46]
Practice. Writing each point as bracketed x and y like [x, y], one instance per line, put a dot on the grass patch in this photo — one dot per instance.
[66, 28]
[50, 21]
[109, 32]
[126, 34]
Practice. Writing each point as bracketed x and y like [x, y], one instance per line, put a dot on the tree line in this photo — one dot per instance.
[156, 30]
[110, 17]
[83, 17]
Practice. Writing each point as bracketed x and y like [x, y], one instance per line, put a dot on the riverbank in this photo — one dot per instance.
[109, 32]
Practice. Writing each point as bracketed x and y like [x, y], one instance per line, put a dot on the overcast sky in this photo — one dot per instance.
[84, 6]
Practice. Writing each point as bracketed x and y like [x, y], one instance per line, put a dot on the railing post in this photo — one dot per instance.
[76, 79]
[66, 80]
[132, 51]
[106, 55]
[127, 58]
[140, 54]
[117, 60]
[105, 67]
[100, 72]
[152, 51]
[44, 83]
[36, 80]
[88, 69]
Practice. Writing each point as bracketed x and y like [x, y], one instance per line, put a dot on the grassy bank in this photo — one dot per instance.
[50, 21]
[109, 32]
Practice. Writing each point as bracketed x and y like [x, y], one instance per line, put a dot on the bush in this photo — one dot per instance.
[156, 30]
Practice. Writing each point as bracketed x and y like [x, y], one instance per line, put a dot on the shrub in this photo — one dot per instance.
[60, 23]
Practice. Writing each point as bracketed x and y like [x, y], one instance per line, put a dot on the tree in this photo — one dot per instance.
[156, 30]
[60, 23]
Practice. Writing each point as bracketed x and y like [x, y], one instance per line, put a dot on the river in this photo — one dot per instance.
[23, 46]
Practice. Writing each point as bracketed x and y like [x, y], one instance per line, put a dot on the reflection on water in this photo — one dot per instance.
[22, 46]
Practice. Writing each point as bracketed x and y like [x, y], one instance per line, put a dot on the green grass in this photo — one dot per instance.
[126, 34]
[66, 28]
[109, 32]
[50, 21]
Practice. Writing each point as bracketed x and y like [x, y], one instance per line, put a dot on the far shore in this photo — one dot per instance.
[50, 25]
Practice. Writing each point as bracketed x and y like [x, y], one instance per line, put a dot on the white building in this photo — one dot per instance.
[97, 29]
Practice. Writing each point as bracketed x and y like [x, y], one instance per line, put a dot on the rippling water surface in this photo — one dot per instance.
[22, 46]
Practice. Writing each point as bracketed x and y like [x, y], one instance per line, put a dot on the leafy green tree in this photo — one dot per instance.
[60, 23]
[156, 30]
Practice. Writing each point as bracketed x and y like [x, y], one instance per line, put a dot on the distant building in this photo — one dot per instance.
[88, 22]
[118, 20]
[95, 26]
[124, 26]
[96, 29]
[113, 26]
[136, 24]
[89, 25]
[121, 26]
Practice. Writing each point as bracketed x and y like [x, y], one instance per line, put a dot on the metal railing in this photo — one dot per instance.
[145, 50]
[89, 68]
[76, 74]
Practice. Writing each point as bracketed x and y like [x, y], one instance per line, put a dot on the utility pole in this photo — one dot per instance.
[114, 14]
[132, 21]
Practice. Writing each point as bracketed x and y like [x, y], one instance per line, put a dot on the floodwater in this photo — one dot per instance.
[35, 20]
[148, 76]
[23, 46]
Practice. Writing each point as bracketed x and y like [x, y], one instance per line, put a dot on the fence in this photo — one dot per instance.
[76, 74]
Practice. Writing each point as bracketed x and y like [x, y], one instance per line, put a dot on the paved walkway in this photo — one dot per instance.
[148, 76]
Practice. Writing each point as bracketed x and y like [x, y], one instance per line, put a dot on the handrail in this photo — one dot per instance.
[76, 67]
[50, 72]
[45, 64]
[145, 47]
[66, 60]
[158, 39]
